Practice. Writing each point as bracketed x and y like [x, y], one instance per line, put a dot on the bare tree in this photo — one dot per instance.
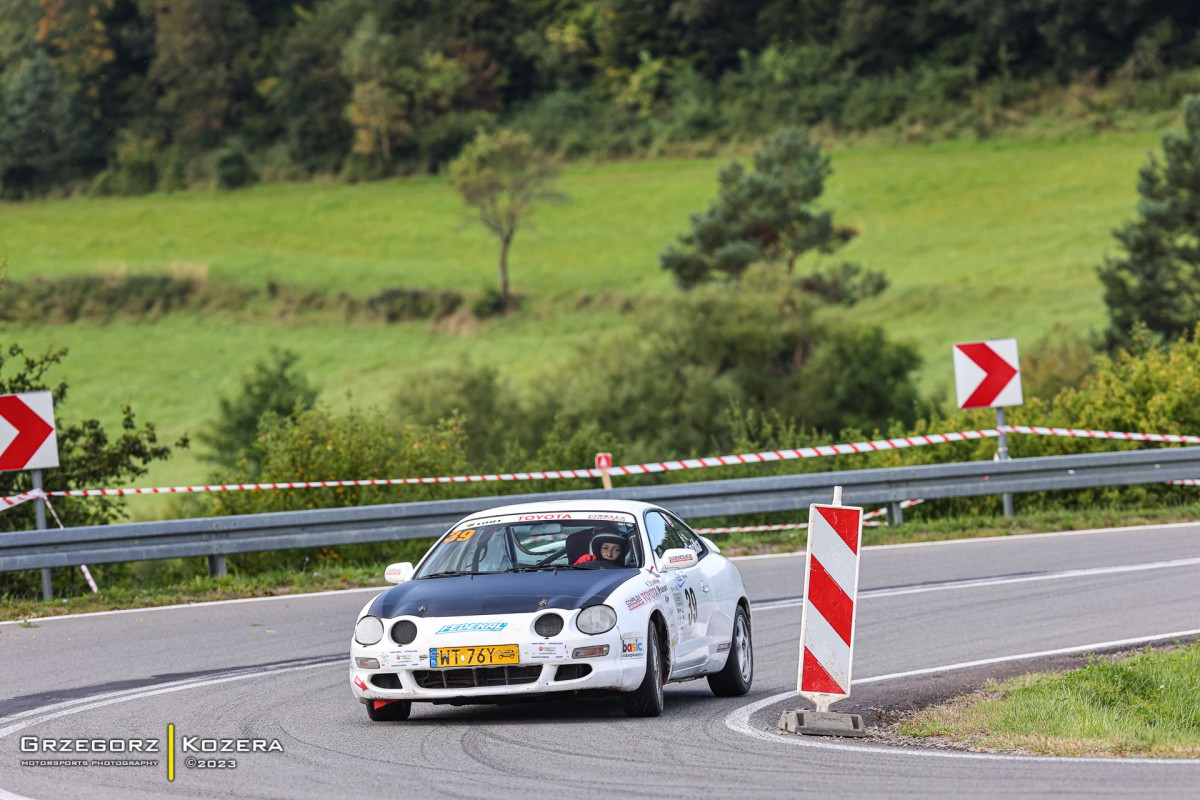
[504, 176]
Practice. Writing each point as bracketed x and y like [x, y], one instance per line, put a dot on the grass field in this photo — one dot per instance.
[1146, 705]
[979, 240]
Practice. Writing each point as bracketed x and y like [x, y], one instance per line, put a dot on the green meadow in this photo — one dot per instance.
[979, 240]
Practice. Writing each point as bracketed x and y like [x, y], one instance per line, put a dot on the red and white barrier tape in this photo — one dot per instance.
[17, 499]
[868, 519]
[34, 494]
[764, 457]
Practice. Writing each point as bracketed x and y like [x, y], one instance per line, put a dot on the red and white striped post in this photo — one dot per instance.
[830, 591]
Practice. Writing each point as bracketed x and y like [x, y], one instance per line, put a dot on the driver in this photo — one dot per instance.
[605, 546]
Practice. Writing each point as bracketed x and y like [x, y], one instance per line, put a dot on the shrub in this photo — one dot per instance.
[234, 170]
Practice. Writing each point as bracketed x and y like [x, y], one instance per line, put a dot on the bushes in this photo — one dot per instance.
[141, 296]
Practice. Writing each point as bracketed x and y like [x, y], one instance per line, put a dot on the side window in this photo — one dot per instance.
[664, 535]
[685, 534]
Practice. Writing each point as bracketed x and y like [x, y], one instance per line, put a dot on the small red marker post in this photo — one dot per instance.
[604, 464]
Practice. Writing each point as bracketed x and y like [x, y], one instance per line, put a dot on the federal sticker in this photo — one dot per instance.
[402, 658]
[547, 651]
[723, 646]
[633, 647]
[473, 627]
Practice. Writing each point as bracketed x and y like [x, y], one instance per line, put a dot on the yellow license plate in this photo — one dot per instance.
[486, 655]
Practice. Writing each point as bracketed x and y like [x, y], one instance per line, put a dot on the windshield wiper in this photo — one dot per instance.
[451, 574]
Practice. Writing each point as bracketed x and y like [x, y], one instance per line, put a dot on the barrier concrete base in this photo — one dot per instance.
[821, 723]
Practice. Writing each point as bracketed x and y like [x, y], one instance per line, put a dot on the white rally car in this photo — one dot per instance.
[596, 597]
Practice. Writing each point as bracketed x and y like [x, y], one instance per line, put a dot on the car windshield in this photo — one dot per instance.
[534, 542]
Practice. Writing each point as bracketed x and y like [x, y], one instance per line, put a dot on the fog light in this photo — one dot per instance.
[366, 663]
[403, 632]
[590, 652]
[548, 625]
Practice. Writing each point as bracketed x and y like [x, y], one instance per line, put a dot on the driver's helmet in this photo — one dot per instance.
[609, 537]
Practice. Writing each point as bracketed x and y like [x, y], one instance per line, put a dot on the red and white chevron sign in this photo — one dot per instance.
[987, 374]
[830, 589]
[27, 435]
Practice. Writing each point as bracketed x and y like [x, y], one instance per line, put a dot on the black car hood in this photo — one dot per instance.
[499, 593]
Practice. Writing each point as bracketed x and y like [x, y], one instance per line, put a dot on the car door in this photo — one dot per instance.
[691, 602]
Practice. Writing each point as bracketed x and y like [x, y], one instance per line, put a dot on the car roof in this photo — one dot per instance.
[635, 507]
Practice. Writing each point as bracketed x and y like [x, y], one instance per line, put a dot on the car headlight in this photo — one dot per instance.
[596, 619]
[369, 630]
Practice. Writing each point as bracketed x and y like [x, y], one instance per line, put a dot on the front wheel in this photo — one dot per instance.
[647, 699]
[735, 679]
[395, 711]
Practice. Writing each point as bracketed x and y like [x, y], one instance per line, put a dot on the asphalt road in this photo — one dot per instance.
[275, 670]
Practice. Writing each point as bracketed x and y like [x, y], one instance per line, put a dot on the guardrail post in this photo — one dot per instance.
[216, 566]
[895, 513]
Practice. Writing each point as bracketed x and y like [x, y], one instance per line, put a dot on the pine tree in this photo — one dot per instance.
[43, 131]
[1156, 280]
[764, 215]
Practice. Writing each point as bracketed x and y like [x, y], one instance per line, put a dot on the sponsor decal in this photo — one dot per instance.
[678, 559]
[633, 648]
[359, 683]
[613, 517]
[723, 646]
[478, 523]
[547, 651]
[402, 658]
[540, 517]
[640, 599]
[472, 627]
[680, 580]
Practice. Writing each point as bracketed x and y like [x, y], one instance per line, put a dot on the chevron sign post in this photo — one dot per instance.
[988, 374]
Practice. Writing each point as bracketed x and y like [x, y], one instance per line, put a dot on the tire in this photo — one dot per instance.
[735, 677]
[647, 699]
[396, 711]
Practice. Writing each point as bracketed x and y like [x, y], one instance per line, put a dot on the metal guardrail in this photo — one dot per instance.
[217, 537]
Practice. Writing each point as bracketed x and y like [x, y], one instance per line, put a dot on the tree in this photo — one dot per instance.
[1157, 278]
[273, 388]
[43, 132]
[765, 215]
[503, 176]
[202, 66]
[89, 458]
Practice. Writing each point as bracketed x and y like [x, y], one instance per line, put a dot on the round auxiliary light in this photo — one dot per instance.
[403, 632]
[596, 619]
[369, 630]
[548, 625]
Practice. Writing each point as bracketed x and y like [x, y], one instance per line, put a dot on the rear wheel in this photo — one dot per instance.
[395, 711]
[647, 699]
[735, 679]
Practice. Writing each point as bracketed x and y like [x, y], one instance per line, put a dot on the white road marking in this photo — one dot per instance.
[206, 604]
[42, 715]
[973, 583]
[739, 719]
[1016, 537]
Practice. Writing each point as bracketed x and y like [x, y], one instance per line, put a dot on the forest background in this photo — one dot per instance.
[234, 215]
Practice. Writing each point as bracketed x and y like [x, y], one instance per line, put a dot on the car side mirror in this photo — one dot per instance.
[679, 558]
[398, 573]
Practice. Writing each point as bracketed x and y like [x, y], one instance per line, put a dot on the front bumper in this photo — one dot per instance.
[544, 667]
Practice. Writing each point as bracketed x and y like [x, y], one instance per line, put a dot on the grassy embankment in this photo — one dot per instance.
[979, 240]
[1145, 705]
